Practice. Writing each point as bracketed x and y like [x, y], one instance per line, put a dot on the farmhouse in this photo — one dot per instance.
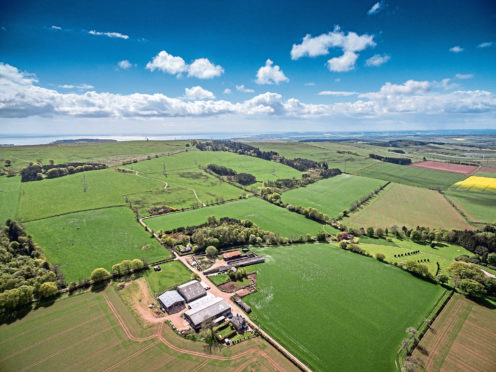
[191, 290]
[239, 323]
[171, 301]
[206, 312]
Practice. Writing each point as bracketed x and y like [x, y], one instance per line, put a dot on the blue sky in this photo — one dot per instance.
[198, 66]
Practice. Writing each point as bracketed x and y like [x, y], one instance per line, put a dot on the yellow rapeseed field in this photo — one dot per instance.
[478, 184]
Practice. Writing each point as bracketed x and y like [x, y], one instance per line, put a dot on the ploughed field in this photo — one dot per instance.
[446, 167]
[337, 310]
[264, 214]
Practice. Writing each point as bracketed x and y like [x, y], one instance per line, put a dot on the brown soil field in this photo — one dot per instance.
[462, 338]
[446, 167]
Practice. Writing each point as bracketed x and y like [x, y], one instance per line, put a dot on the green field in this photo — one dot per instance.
[9, 197]
[404, 205]
[478, 206]
[81, 242]
[332, 195]
[414, 176]
[173, 274]
[268, 216]
[337, 310]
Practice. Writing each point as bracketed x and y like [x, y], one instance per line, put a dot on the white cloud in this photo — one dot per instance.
[202, 68]
[486, 44]
[456, 49]
[227, 91]
[56, 28]
[446, 84]
[310, 84]
[80, 87]
[408, 88]
[242, 88]
[464, 76]
[377, 60]
[270, 74]
[376, 8]
[344, 63]
[109, 34]
[124, 64]
[336, 93]
[198, 92]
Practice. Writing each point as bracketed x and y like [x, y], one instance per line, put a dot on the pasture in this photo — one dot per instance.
[9, 197]
[463, 337]
[403, 205]
[97, 331]
[337, 310]
[477, 206]
[413, 176]
[173, 273]
[332, 195]
[81, 242]
[265, 215]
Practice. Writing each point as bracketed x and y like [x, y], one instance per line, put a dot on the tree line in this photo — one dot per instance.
[388, 159]
[244, 179]
[37, 172]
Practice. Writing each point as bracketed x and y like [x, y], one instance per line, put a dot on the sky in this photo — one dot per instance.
[162, 67]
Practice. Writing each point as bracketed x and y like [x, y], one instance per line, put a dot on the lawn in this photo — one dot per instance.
[478, 206]
[81, 242]
[9, 197]
[332, 195]
[267, 216]
[173, 274]
[403, 205]
[337, 310]
[414, 176]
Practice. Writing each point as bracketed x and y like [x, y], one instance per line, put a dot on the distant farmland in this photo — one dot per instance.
[410, 206]
[319, 300]
[446, 167]
[333, 195]
[262, 213]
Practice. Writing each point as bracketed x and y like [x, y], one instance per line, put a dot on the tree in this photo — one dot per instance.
[48, 289]
[412, 332]
[379, 232]
[491, 259]
[412, 364]
[461, 270]
[99, 274]
[472, 288]
[443, 278]
[137, 264]
[380, 256]
[370, 231]
[321, 236]
[211, 251]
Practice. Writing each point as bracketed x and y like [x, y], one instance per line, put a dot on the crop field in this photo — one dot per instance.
[474, 183]
[446, 167]
[414, 176]
[9, 197]
[477, 206]
[267, 216]
[463, 337]
[81, 242]
[332, 195]
[409, 206]
[173, 273]
[320, 301]
[97, 331]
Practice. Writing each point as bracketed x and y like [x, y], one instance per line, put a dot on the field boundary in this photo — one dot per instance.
[458, 209]
[79, 211]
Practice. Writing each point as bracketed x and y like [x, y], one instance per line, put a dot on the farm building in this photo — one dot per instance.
[191, 290]
[231, 255]
[246, 308]
[207, 312]
[239, 323]
[247, 260]
[171, 301]
[201, 301]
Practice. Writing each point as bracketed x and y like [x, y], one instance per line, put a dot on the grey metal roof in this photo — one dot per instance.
[170, 298]
[191, 290]
[201, 301]
[209, 311]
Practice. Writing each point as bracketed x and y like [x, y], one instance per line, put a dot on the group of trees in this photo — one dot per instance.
[244, 179]
[37, 172]
[471, 279]
[400, 161]
[24, 274]
[237, 275]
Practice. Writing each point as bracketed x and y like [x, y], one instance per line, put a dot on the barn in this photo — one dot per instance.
[171, 301]
[191, 290]
[207, 311]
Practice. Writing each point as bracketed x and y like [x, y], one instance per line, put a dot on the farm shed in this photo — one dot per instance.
[171, 301]
[243, 305]
[201, 301]
[207, 312]
[247, 260]
[231, 255]
[191, 290]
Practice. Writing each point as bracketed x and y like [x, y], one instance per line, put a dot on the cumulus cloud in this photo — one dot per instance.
[198, 92]
[376, 8]
[408, 88]
[336, 93]
[270, 74]
[124, 64]
[349, 43]
[80, 87]
[486, 44]
[446, 84]
[377, 60]
[456, 49]
[464, 76]
[227, 91]
[242, 88]
[109, 34]
[201, 68]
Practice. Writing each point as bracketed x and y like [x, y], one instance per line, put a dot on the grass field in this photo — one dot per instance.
[477, 206]
[9, 197]
[337, 310]
[409, 206]
[333, 195]
[173, 273]
[266, 215]
[81, 242]
[463, 338]
[422, 177]
[86, 332]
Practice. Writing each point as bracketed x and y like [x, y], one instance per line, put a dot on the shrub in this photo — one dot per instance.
[380, 256]
[370, 231]
[99, 274]
[472, 288]
[48, 289]
[211, 251]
